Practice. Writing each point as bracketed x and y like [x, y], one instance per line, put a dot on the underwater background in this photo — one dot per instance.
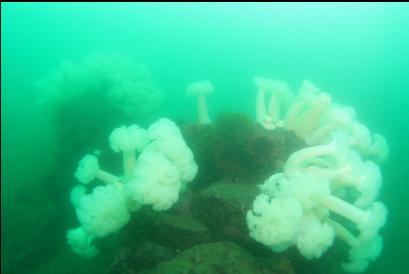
[358, 53]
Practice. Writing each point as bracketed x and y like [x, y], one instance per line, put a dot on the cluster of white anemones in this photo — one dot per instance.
[163, 168]
[324, 188]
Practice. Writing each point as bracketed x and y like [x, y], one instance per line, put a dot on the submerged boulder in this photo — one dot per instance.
[179, 232]
[138, 258]
[222, 207]
[221, 257]
[237, 148]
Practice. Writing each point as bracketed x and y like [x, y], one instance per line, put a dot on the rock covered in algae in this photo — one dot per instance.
[179, 232]
[237, 148]
[139, 257]
[222, 207]
[221, 257]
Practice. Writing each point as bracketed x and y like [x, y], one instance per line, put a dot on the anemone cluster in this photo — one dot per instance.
[163, 168]
[114, 76]
[88, 97]
[313, 116]
[326, 190]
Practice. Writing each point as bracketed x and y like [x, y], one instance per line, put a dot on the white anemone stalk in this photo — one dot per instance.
[201, 89]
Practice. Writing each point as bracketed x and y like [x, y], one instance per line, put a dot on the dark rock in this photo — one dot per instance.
[237, 148]
[222, 207]
[179, 232]
[139, 227]
[140, 257]
[220, 258]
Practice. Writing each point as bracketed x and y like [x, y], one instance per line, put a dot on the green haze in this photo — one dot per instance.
[358, 53]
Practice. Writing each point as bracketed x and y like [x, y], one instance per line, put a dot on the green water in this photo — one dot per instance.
[358, 53]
